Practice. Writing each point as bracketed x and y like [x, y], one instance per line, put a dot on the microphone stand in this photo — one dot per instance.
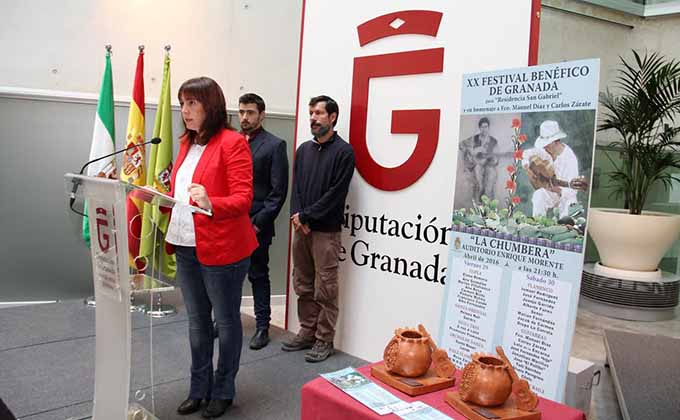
[76, 183]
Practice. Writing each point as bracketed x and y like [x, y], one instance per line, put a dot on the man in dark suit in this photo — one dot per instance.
[270, 186]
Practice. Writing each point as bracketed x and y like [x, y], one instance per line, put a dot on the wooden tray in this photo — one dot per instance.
[507, 411]
[425, 384]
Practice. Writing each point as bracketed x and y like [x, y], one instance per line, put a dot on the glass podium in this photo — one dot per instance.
[120, 393]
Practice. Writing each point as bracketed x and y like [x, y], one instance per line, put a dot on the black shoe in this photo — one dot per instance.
[260, 339]
[298, 343]
[189, 406]
[321, 351]
[216, 408]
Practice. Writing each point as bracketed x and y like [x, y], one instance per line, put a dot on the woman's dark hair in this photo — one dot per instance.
[206, 91]
[483, 120]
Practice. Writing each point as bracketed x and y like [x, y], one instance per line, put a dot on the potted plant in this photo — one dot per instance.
[643, 113]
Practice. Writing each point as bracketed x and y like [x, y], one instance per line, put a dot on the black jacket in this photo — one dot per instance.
[321, 178]
[270, 181]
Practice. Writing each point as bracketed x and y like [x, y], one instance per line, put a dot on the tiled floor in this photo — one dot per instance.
[589, 345]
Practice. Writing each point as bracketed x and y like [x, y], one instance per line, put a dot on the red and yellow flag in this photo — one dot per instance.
[133, 170]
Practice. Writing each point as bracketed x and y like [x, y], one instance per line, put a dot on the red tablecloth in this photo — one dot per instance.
[322, 400]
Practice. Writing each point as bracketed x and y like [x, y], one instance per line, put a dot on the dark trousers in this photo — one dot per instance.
[315, 279]
[207, 289]
[258, 274]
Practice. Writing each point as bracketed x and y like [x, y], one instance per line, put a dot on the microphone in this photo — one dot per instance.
[155, 140]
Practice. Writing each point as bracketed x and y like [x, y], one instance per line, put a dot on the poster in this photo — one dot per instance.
[519, 219]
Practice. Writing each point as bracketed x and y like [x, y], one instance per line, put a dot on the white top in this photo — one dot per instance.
[566, 169]
[181, 228]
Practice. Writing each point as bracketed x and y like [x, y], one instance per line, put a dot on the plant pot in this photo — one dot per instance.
[635, 242]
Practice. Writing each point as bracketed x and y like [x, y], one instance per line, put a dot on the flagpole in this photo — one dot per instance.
[156, 308]
[90, 300]
[135, 132]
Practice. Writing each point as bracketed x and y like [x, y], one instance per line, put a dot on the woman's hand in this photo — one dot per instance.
[198, 193]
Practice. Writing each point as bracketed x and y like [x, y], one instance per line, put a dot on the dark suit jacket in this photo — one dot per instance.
[270, 181]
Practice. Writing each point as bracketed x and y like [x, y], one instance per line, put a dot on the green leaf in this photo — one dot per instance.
[644, 114]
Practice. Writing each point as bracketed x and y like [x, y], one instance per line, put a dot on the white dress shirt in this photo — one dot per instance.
[181, 228]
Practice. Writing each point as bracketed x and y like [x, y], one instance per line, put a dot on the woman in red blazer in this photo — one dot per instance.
[213, 171]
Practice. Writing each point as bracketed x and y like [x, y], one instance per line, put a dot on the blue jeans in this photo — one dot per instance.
[207, 289]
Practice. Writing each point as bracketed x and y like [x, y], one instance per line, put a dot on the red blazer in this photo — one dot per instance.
[226, 171]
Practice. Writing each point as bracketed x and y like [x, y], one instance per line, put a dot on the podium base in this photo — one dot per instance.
[137, 412]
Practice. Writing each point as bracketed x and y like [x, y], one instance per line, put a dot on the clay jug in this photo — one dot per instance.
[408, 353]
[485, 381]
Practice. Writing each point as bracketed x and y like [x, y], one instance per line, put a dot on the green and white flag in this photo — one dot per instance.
[103, 136]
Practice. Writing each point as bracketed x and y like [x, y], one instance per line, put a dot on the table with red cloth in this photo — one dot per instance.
[323, 400]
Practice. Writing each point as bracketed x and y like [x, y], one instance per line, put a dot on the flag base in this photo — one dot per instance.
[159, 310]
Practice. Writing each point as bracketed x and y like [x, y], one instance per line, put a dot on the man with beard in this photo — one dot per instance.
[270, 186]
[322, 172]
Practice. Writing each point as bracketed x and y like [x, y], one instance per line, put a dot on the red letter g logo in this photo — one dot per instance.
[423, 122]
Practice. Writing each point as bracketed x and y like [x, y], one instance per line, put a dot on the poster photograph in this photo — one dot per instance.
[527, 176]
[519, 218]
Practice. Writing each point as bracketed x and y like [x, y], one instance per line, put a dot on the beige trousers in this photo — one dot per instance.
[315, 279]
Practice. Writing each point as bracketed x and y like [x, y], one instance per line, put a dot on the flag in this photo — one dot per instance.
[103, 136]
[158, 176]
[134, 161]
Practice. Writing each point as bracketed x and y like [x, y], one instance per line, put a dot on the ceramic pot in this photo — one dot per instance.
[635, 242]
[485, 381]
[408, 353]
